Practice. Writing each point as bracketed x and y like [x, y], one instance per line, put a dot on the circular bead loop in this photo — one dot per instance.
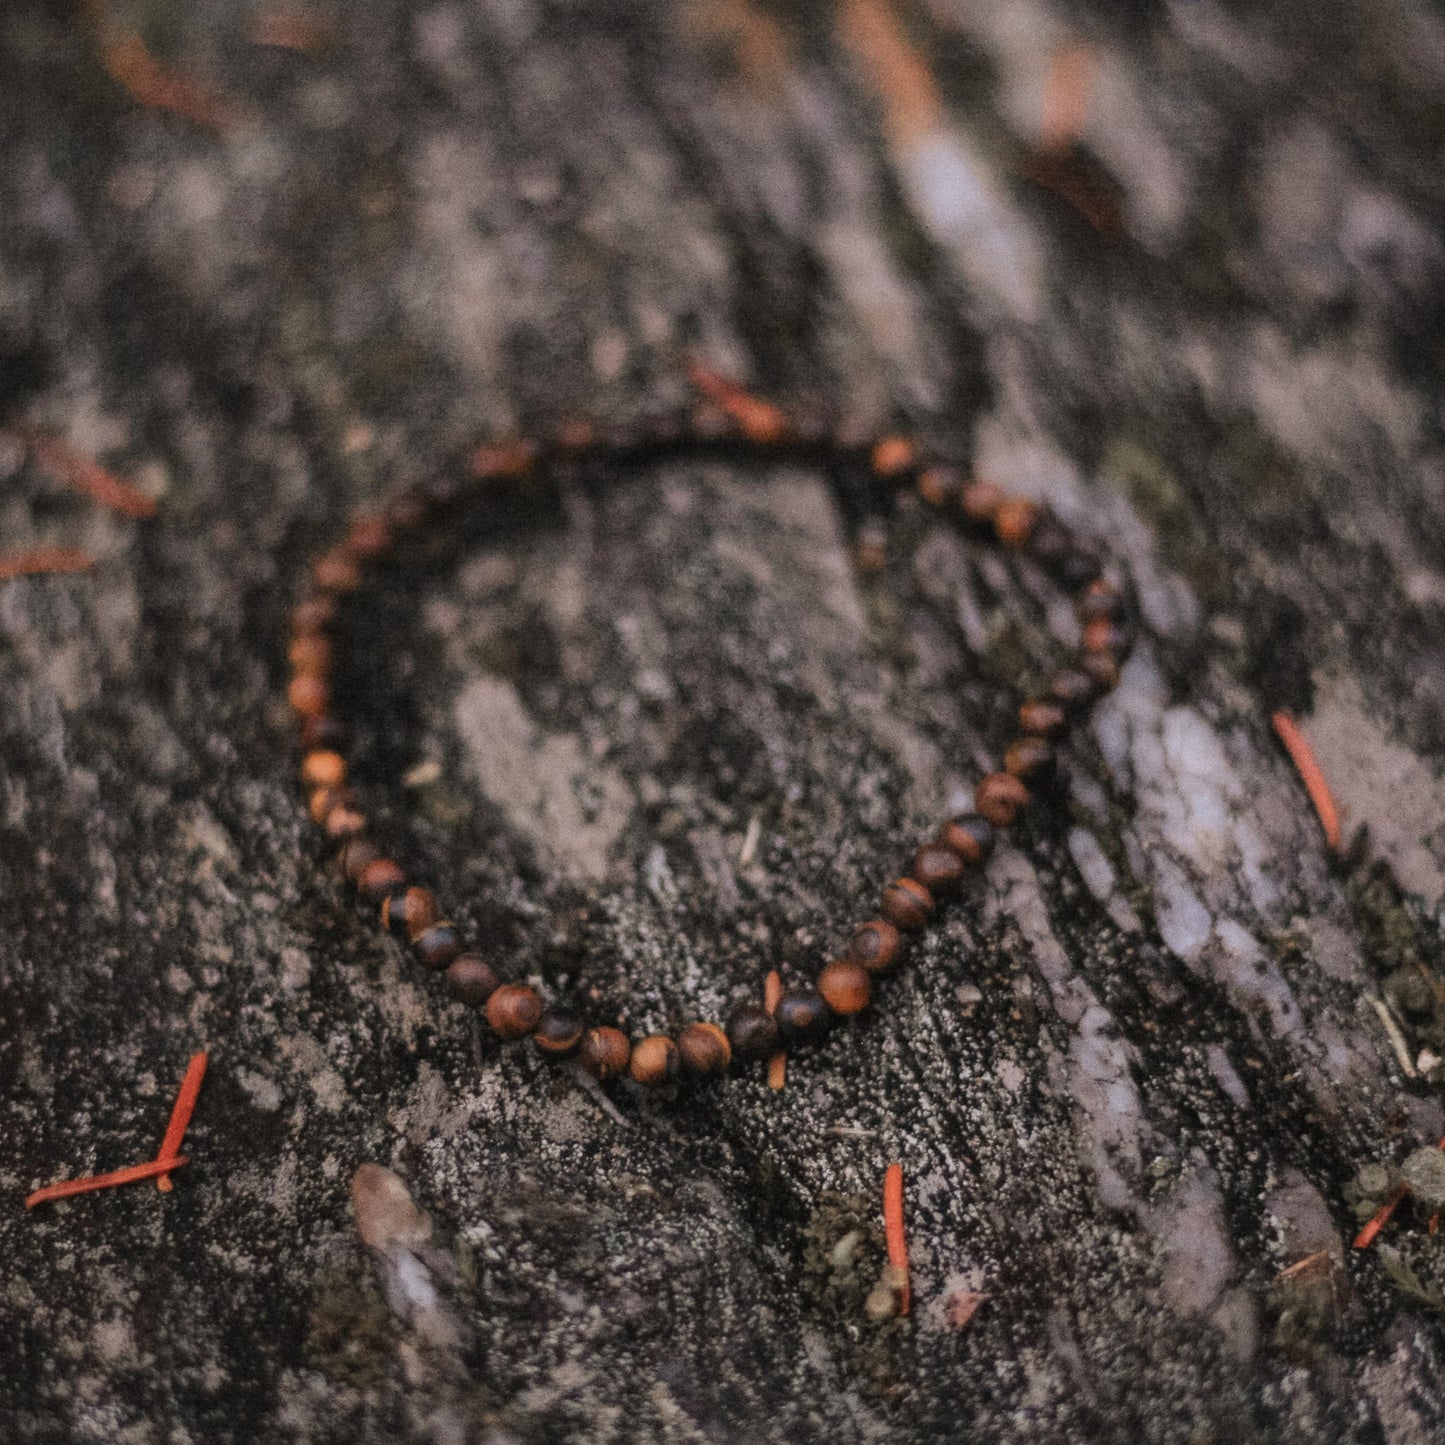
[939, 868]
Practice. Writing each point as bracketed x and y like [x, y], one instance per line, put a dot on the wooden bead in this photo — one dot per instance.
[876, 946]
[368, 537]
[437, 946]
[980, 502]
[472, 980]
[1015, 520]
[1072, 689]
[752, 1032]
[1102, 669]
[846, 987]
[970, 836]
[314, 615]
[1102, 635]
[321, 801]
[802, 1013]
[322, 731]
[705, 1050]
[356, 855]
[379, 879]
[907, 904]
[999, 797]
[1101, 602]
[655, 1061]
[1029, 759]
[323, 769]
[310, 655]
[558, 1033]
[940, 486]
[1041, 718]
[336, 571]
[344, 820]
[893, 456]
[409, 912]
[308, 695]
[605, 1052]
[939, 869]
[514, 1010]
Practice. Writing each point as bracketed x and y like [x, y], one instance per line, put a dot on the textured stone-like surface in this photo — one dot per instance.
[1139, 1080]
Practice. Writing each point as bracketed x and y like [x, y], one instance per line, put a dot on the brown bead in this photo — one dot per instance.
[323, 769]
[368, 537]
[505, 460]
[472, 980]
[939, 869]
[655, 1061]
[999, 796]
[705, 1050]
[336, 571]
[308, 695]
[940, 486]
[356, 855]
[907, 904]
[514, 1010]
[1102, 601]
[322, 800]
[344, 821]
[1015, 521]
[1102, 635]
[379, 879]
[980, 501]
[970, 836]
[1072, 689]
[893, 456]
[802, 1013]
[322, 731]
[605, 1052]
[752, 1031]
[576, 434]
[558, 1033]
[409, 912]
[438, 945]
[310, 654]
[1040, 718]
[846, 987]
[1029, 758]
[1102, 669]
[876, 946]
[313, 615]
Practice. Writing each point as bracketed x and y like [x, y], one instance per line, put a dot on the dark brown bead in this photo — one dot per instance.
[310, 654]
[705, 1050]
[939, 869]
[1015, 521]
[656, 1060]
[1029, 759]
[1101, 602]
[605, 1052]
[752, 1031]
[907, 904]
[1102, 669]
[472, 980]
[323, 769]
[514, 1010]
[802, 1014]
[1101, 635]
[379, 879]
[970, 836]
[846, 987]
[322, 731]
[999, 796]
[438, 946]
[409, 912]
[313, 615]
[1073, 689]
[980, 501]
[894, 456]
[368, 537]
[940, 486]
[876, 946]
[308, 695]
[336, 571]
[357, 854]
[1040, 718]
[558, 1033]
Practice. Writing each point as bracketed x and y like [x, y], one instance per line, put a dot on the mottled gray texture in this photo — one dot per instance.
[654, 732]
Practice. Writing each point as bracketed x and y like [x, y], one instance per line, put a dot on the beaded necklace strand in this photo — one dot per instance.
[733, 418]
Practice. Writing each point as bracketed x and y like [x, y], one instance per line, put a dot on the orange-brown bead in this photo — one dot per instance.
[970, 836]
[310, 654]
[1041, 718]
[1102, 669]
[876, 946]
[1029, 758]
[315, 614]
[409, 912]
[705, 1050]
[939, 869]
[893, 456]
[1101, 601]
[655, 1061]
[1103, 635]
[980, 501]
[343, 821]
[472, 980]
[940, 486]
[505, 460]
[999, 797]
[1015, 521]
[557, 1033]
[323, 769]
[357, 854]
[907, 904]
[368, 537]
[379, 879]
[336, 571]
[322, 800]
[605, 1052]
[308, 695]
[514, 1010]
[846, 987]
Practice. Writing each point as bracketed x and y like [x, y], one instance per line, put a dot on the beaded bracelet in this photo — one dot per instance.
[730, 417]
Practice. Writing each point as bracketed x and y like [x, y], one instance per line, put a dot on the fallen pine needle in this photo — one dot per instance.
[151, 84]
[1366, 1237]
[87, 476]
[759, 421]
[1066, 97]
[1392, 1032]
[41, 560]
[181, 1114]
[1302, 756]
[149, 1170]
[778, 1062]
[893, 1229]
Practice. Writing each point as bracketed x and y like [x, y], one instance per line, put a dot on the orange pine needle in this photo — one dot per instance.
[149, 83]
[893, 1229]
[778, 1062]
[1066, 97]
[759, 421]
[41, 560]
[1366, 1237]
[149, 1170]
[181, 1114]
[1302, 756]
[82, 474]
